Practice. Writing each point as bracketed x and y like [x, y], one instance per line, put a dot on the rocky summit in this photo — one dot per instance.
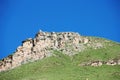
[43, 45]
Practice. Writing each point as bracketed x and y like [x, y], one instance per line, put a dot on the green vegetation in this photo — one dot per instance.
[63, 67]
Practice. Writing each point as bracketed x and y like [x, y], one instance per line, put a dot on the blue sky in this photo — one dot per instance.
[21, 19]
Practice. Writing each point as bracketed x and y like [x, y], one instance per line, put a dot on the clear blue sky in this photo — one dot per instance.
[21, 19]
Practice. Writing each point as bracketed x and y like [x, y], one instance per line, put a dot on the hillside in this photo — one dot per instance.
[77, 58]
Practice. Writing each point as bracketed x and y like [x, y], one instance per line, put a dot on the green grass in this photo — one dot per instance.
[63, 67]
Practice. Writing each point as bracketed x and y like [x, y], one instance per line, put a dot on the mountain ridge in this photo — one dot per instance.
[43, 45]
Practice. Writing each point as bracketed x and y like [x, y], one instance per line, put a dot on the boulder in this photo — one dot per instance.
[111, 62]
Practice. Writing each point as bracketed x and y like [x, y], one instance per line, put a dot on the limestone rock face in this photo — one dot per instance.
[43, 46]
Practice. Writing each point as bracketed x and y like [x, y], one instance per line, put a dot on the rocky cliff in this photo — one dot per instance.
[44, 44]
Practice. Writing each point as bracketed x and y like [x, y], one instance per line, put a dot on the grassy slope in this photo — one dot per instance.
[62, 67]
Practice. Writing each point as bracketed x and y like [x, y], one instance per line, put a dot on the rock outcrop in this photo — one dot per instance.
[111, 62]
[43, 46]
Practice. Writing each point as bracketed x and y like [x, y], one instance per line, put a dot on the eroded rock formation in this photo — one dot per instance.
[43, 46]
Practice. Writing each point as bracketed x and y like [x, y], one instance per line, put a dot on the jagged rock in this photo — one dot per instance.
[43, 46]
